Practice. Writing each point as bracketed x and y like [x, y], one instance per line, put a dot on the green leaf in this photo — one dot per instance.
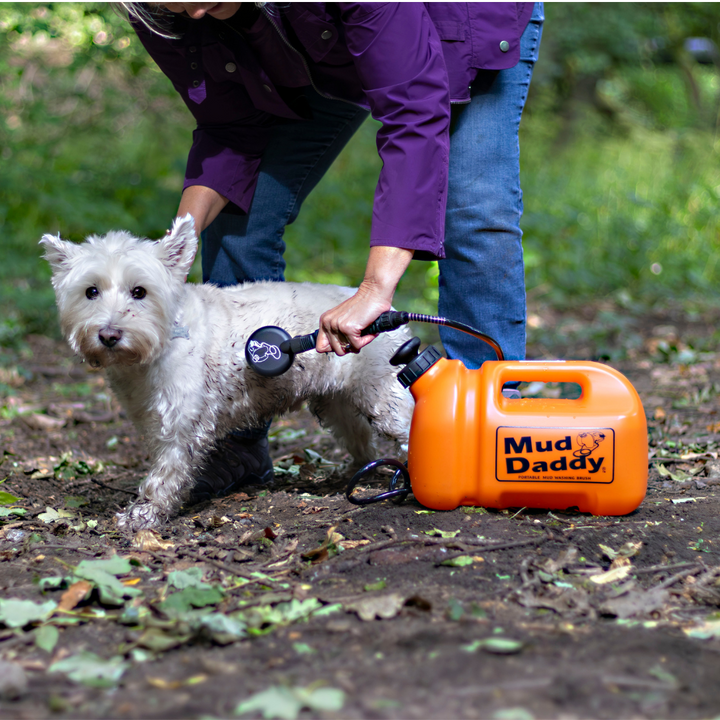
[455, 610]
[192, 577]
[46, 637]
[379, 585]
[282, 613]
[181, 602]
[460, 561]
[90, 669]
[275, 702]
[115, 565]
[6, 498]
[442, 533]
[327, 610]
[75, 501]
[303, 649]
[495, 645]
[223, 629]
[6, 512]
[102, 573]
[157, 641]
[133, 615]
[55, 582]
[51, 515]
[18, 613]
[286, 703]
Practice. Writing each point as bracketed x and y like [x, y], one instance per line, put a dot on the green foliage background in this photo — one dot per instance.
[619, 157]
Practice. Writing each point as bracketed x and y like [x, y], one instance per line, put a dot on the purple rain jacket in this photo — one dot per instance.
[405, 62]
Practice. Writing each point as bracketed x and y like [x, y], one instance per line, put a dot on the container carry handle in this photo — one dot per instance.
[394, 493]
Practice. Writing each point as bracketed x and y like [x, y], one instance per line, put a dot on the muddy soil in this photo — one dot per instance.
[386, 611]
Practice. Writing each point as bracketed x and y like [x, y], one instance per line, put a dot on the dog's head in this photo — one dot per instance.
[118, 295]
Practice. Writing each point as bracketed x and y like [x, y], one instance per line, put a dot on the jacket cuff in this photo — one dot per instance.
[231, 173]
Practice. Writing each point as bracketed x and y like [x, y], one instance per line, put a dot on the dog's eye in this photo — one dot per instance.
[91, 293]
[139, 293]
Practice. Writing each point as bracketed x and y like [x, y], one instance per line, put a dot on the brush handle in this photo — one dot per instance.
[387, 321]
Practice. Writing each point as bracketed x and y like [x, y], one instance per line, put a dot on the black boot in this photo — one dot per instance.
[235, 463]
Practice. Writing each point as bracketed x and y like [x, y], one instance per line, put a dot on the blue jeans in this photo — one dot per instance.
[247, 248]
[482, 278]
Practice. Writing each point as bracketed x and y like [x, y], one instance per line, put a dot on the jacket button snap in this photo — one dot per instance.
[326, 35]
[195, 83]
[504, 45]
[267, 88]
[231, 67]
[192, 49]
[193, 66]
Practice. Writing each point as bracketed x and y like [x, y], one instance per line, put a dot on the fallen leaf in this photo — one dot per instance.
[35, 421]
[6, 498]
[51, 515]
[286, 702]
[46, 637]
[90, 669]
[352, 544]
[374, 587]
[495, 645]
[157, 641]
[442, 533]
[175, 684]
[628, 550]
[706, 631]
[151, 541]
[636, 602]
[381, 606]
[18, 613]
[459, 561]
[614, 575]
[192, 577]
[75, 594]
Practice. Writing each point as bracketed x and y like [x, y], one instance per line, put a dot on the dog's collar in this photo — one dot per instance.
[180, 331]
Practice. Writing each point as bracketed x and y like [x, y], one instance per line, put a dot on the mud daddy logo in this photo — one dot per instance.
[584, 455]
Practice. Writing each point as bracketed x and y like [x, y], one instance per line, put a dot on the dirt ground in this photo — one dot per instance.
[288, 599]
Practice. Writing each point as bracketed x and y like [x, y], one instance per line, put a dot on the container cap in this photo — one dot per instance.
[421, 364]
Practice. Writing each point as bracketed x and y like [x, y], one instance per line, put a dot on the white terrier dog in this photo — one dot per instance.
[175, 357]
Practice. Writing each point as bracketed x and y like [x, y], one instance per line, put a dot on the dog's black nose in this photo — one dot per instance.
[110, 337]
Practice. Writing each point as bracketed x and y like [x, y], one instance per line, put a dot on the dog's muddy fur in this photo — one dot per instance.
[175, 357]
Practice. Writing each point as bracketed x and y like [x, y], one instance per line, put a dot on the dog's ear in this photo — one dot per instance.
[58, 252]
[178, 248]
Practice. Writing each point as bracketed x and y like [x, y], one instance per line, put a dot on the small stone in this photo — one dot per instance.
[13, 681]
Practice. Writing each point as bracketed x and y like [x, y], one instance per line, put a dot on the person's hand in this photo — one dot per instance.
[341, 326]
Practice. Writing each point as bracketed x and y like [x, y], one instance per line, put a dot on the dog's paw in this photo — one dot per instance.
[143, 516]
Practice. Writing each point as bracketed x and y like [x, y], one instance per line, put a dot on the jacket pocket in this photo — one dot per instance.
[450, 31]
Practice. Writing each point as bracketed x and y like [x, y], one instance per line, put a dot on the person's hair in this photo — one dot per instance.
[156, 19]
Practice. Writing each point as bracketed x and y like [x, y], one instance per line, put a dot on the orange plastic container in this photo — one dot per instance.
[469, 445]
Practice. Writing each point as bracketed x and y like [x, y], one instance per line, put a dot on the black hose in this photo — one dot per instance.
[434, 320]
[392, 320]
